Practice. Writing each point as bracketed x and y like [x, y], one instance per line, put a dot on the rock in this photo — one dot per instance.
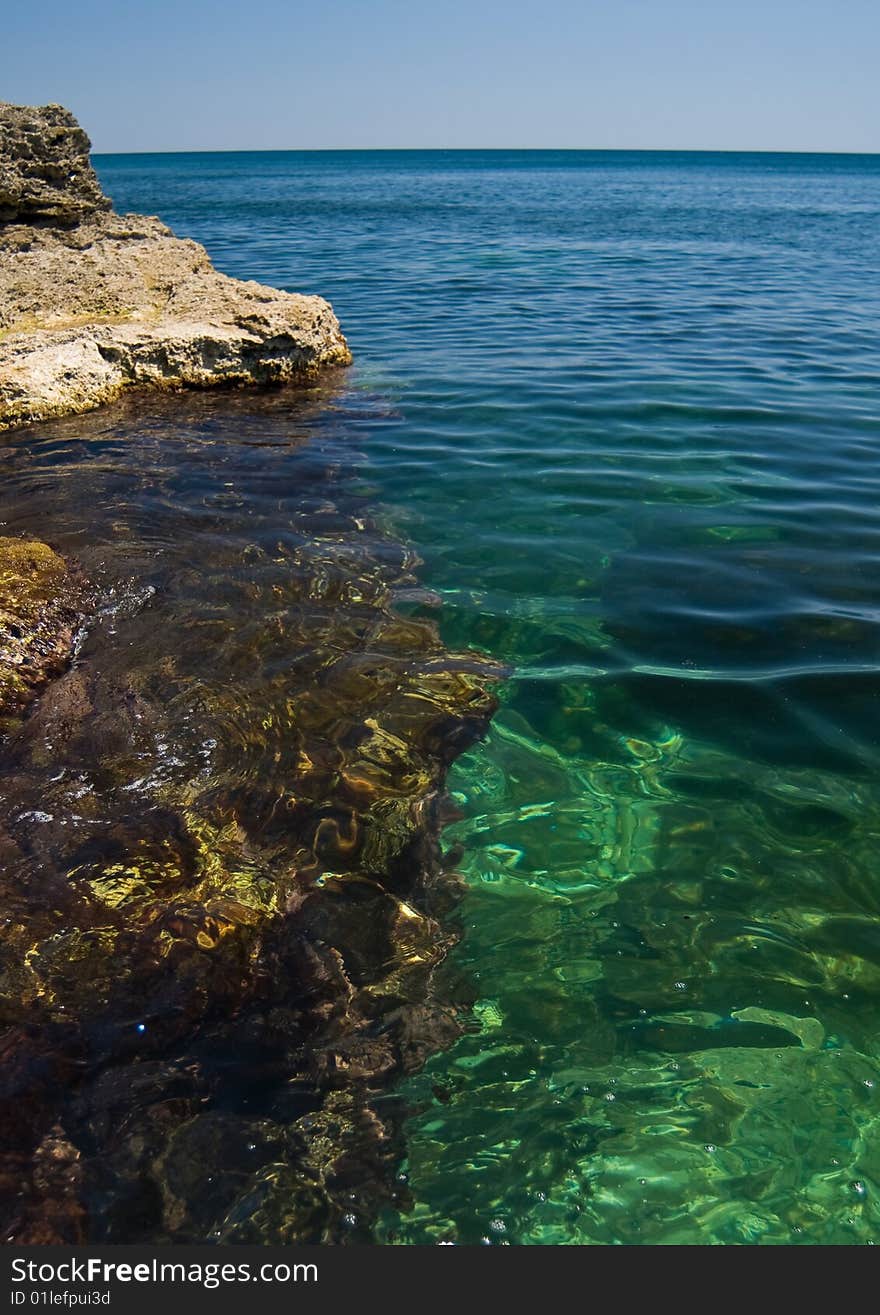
[40, 611]
[226, 909]
[93, 303]
[45, 173]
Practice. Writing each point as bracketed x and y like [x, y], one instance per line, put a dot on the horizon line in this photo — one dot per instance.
[574, 150]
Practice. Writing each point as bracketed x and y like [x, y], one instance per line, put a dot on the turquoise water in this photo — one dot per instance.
[624, 407]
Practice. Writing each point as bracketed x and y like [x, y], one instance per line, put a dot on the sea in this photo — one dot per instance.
[625, 409]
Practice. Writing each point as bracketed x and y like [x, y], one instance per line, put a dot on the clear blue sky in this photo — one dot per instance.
[267, 74]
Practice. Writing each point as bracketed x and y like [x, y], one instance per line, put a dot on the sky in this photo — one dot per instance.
[618, 74]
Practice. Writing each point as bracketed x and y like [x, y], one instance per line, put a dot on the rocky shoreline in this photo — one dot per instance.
[93, 303]
[224, 739]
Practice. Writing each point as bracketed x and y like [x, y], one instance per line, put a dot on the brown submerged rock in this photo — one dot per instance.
[93, 303]
[41, 600]
[225, 907]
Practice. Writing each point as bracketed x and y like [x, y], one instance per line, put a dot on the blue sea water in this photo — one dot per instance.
[628, 417]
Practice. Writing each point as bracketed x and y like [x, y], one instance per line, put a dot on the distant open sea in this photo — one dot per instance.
[626, 408]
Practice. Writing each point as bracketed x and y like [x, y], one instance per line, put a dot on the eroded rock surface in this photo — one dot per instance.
[92, 303]
[45, 173]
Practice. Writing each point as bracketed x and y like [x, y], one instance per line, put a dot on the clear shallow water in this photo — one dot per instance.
[630, 423]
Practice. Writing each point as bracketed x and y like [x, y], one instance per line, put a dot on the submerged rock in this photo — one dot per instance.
[93, 303]
[226, 910]
[41, 599]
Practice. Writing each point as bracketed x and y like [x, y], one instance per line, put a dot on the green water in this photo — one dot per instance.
[677, 958]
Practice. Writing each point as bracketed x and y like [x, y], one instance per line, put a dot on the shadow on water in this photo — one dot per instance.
[224, 904]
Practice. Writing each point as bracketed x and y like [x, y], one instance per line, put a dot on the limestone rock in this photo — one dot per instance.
[92, 303]
[45, 172]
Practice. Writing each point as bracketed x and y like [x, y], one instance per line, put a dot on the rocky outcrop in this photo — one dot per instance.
[93, 303]
[45, 173]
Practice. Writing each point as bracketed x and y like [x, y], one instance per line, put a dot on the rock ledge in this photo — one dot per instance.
[92, 303]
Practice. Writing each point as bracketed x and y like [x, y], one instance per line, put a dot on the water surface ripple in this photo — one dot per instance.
[631, 425]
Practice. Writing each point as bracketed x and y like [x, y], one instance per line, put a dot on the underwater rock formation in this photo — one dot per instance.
[93, 303]
[226, 912]
[41, 603]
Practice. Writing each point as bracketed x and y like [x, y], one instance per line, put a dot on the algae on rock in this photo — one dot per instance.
[226, 908]
[41, 599]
